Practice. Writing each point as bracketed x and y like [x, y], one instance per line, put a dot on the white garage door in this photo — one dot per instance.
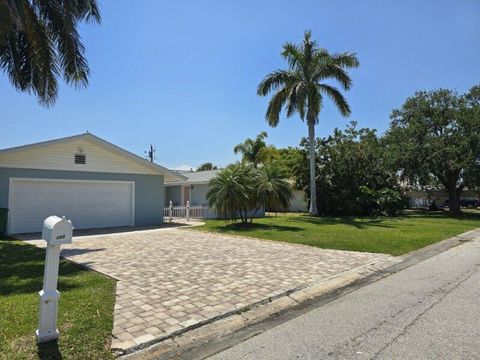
[89, 204]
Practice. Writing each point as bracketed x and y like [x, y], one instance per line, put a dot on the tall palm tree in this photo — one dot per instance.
[251, 149]
[301, 88]
[39, 42]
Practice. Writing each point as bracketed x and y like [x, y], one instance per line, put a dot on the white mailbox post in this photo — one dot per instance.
[56, 231]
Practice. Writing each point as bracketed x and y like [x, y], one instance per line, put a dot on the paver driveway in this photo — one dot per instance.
[170, 279]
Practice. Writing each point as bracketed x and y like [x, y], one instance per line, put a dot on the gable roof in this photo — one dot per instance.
[169, 174]
[196, 177]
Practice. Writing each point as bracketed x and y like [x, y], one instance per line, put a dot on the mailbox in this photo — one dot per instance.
[57, 231]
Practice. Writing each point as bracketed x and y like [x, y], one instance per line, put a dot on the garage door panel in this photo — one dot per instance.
[88, 204]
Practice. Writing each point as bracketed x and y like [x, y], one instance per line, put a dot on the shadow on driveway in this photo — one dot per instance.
[104, 231]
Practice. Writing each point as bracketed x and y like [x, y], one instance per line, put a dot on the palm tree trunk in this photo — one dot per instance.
[313, 184]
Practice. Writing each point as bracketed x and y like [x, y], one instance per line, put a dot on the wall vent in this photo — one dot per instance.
[80, 159]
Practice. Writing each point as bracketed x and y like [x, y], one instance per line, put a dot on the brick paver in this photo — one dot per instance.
[170, 279]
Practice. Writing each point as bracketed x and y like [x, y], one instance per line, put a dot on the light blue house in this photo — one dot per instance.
[194, 189]
[92, 182]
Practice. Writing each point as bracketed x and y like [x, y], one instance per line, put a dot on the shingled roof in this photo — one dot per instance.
[196, 177]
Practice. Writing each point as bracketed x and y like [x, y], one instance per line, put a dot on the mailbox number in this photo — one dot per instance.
[59, 237]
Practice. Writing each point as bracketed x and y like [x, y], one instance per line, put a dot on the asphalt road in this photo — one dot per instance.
[430, 310]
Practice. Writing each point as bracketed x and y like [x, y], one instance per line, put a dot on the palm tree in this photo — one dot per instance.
[39, 42]
[207, 166]
[300, 90]
[274, 188]
[230, 192]
[251, 149]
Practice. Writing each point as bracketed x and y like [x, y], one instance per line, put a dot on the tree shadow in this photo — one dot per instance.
[356, 222]
[22, 267]
[103, 231]
[240, 227]
[469, 215]
[49, 351]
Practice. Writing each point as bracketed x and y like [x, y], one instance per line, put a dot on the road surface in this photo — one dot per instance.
[430, 310]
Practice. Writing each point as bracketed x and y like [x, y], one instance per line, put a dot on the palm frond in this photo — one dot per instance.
[239, 148]
[332, 71]
[275, 106]
[43, 42]
[337, 97]
[294, 55]
[275, 80]
[346, 59]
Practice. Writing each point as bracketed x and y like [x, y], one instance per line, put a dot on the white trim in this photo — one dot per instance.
[13, 179]
[176, 183]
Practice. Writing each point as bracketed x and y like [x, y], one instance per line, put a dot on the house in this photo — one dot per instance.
[85, 178]
[298, 203]
[194, 189]
[421, 198]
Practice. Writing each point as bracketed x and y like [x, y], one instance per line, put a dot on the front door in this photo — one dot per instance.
[186, 195]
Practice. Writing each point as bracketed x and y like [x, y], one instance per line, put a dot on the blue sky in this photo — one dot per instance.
[182, 75]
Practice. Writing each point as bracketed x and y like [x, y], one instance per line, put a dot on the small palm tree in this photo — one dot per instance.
[39, 42]
[252, 149]
[228, 192]
[274, 188]
[240, 190]
[301, 89]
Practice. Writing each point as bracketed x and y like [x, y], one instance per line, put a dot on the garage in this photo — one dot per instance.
[89, 204]
[86, 179]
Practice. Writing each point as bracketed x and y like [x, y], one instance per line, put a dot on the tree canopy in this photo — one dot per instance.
[352, 175]
[435, 136]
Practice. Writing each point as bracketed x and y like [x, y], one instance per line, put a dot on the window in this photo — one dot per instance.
[80, 159]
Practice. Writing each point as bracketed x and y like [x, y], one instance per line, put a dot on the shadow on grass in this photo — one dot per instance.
[357, 222]
[365, 222]
[256, 226]
[49, 351]
[466, 214]
[22, 265]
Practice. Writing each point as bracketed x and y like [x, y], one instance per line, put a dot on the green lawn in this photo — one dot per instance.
[85, 308]
[395, 236]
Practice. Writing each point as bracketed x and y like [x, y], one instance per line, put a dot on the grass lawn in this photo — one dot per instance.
[394, 236]
[86, 304]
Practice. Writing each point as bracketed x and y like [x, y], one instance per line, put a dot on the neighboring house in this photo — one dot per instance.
[193, 189]
[298, 203]
[87, 179]
[424, 198]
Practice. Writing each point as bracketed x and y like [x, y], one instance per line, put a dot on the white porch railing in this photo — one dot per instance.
[188, 212]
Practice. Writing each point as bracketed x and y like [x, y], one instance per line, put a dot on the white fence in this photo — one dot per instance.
[194, 212]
